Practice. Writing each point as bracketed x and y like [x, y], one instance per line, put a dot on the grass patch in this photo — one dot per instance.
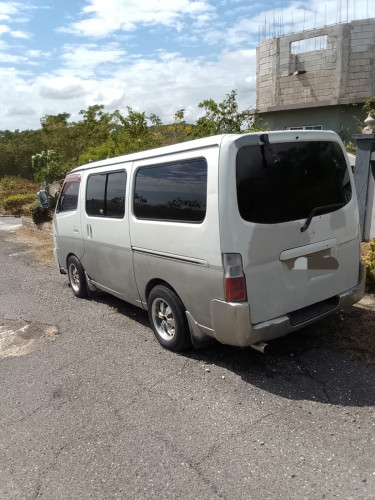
[40, 244]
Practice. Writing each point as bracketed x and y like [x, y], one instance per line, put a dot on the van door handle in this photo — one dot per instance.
[76, 229]
[89, 231]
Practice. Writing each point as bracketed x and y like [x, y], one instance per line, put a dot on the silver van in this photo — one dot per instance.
[240, 238]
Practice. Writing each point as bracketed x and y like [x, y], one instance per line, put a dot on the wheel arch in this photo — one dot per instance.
[157, 281]
[70, 254]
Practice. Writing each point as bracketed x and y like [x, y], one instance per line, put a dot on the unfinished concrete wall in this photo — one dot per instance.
[342, 72]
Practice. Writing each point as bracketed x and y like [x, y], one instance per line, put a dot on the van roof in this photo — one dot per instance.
[206, 142]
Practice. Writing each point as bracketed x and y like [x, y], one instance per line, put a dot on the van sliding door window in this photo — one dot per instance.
[172, 192]
[289, 180]
[105, 195]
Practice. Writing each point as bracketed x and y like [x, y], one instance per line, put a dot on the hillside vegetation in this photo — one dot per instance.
[61, 144]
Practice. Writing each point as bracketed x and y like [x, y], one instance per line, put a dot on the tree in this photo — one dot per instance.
[57, 136]
[94, 129]
[225, 118]
[155, 120]
[179, 115]
[131, 135]
[48, 166]
[16, 149]
[128, 134]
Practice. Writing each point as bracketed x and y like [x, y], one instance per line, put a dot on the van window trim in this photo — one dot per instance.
[69, 179]
[136, 168]
[106, 173]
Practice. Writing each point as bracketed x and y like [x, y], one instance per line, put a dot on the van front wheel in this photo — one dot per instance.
[168, 319]
[77, 278]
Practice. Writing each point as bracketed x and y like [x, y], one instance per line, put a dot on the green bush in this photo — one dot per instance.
[40, 214]
[15, 203]
[370, 268]
[350, 147]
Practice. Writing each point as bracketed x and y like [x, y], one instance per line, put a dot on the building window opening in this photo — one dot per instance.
[309, 45]
[306, 127]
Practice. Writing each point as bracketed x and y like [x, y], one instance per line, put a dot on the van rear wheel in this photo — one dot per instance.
[168, 319]
[77, 278]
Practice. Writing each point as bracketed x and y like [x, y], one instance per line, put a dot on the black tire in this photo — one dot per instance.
[77, 278]
[168, 319]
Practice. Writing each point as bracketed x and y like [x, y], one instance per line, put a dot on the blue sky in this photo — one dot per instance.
[156, 56]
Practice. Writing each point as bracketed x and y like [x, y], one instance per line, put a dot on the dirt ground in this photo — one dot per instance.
[351, 331]
[40, 244]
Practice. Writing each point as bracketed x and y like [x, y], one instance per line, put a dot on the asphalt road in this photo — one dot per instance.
[10, 223]
[104, 412]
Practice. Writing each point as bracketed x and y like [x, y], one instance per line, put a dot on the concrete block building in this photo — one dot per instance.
[317, 79]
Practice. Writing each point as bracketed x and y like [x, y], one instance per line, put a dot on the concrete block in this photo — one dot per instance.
[357, 35]
[362, 61]
[362, 47]
[364, 81]
[362, 75]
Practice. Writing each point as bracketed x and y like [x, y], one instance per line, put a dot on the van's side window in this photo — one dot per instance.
[68, 200]
[174, 191]
[105, 195]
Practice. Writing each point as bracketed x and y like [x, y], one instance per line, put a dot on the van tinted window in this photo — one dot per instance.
[289, 180]
[105, 195]
[174, 192]
[69, 197]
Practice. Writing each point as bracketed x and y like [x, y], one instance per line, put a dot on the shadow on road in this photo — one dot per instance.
[318, 363]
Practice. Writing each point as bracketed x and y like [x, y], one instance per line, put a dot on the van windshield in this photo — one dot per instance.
[286, 181]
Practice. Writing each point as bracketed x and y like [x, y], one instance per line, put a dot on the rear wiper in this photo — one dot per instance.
[264, 139]
[315, 210]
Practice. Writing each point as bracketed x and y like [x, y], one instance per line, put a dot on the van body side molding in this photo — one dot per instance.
[170, 256]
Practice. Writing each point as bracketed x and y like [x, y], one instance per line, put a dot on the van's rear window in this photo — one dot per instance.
[286, 181]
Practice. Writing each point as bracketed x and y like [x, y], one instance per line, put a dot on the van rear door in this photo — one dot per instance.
[295, 222]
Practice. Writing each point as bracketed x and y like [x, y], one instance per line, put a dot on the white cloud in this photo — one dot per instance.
[83, 60]
[11, 58]
[180, 83]
[3, 29]
[103, 17]
[20, 111]
[19, 34]
[7, 8]
[37, 53]
[62, 88]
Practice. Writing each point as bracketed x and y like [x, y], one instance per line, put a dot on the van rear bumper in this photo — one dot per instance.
[232, 321]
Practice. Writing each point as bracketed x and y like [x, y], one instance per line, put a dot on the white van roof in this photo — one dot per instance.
[206, 142]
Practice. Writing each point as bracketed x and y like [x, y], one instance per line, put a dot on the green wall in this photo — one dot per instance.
[343, 119]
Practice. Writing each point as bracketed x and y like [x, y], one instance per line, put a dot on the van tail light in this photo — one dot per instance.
[235, 283]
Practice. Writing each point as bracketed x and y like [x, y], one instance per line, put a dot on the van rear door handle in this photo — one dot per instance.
[89, 231]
